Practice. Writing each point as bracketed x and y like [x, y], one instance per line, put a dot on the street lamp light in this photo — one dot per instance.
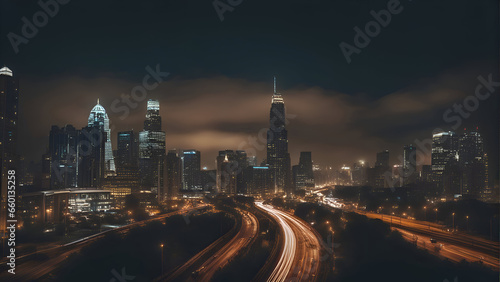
[425, 213]
[436, 214]
[333, 244]
[453, 214]
[161, 260]
[467, 217]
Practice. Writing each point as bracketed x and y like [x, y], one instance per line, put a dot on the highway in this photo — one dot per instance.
[299, 260]
[456, 246]
[449, 251]
[206, 268]
[248, 232]
[30, 269]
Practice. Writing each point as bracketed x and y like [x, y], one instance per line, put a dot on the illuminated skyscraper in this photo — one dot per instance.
[473, 164]
[227, 172]
[304, 172]
[98, 116]
[127, 152]
[191, 166]
[444, 150]
[409, 164]
[152, 150]
[278, 157]
[9, 111]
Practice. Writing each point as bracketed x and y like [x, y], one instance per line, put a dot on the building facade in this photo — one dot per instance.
[152, 150]
[99, 118]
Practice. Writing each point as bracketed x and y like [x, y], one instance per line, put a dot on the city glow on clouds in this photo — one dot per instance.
[218, 113]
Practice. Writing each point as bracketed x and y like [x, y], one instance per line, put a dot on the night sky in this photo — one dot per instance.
[218, 93]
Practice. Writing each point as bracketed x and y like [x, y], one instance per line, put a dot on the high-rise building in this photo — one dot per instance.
[227, 171]
[381, 174]
[259, 183]
[409, 164]
[91, 156]
[126, 180]
[426, 174]
[359, 176]
[63, 150]
[127, 153]
[473, 164]
[45, 175]
[383, 159]
[278, 157]
[173, 178]
[241, 174]
[9, 112]
[252, 161]
[99, 117]
[444, 149]
[304, 173]
[208, 179]
[152, 150]
[191, 166]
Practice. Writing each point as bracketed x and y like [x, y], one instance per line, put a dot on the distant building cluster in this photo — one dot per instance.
[458, 169]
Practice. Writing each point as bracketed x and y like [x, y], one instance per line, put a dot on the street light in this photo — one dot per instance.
[333, 244]
[425, 213]
[436, 214]
[161, 260]
[467, 217]
[453, 214]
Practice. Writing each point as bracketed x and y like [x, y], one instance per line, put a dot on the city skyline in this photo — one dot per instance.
[233, 140]
[208, 155]
[373, 102]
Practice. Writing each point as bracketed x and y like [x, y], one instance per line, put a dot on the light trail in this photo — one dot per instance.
[301, 251]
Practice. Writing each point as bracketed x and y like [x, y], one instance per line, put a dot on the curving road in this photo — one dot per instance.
[206, 269]
[300, 255]
[248, 231]
[30, 270]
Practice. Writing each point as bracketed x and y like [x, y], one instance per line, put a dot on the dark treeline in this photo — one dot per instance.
[139, 251]
[366, 249]
[483, 218]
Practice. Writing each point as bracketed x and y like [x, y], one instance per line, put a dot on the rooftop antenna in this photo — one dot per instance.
[97, 100]
[274, 84]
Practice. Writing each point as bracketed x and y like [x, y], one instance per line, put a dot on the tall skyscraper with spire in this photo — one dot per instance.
[99, 117]
[278, 157]
[152, 151]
